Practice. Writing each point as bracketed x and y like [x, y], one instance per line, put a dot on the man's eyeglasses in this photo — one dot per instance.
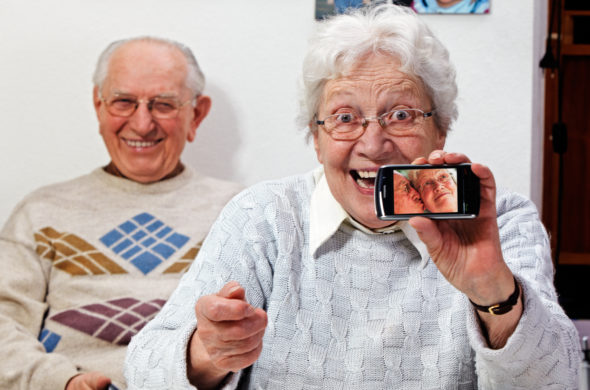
[348, 126]
[160, 107]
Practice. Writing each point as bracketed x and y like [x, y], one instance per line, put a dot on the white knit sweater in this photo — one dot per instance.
[361, 313]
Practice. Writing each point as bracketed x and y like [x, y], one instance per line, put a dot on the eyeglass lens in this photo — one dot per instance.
[159, 107]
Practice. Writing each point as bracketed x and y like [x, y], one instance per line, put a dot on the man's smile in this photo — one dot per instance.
[140, 143]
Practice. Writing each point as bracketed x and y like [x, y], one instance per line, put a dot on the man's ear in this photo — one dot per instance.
[96, 102]
[200, 111]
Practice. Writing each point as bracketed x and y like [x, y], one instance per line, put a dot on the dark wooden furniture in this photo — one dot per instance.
[573, 248]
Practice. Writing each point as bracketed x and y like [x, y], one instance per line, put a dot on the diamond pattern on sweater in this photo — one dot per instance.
[115, 321]
[182, 264]
[72, 254]
[49, 339]
[145, 241]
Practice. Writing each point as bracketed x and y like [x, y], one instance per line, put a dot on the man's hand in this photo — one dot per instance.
[88, 381]
[468, 252]
[228, 336]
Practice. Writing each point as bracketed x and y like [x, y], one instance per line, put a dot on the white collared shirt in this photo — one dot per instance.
[326, 216]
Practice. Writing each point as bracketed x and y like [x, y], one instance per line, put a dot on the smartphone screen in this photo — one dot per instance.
[433, 191]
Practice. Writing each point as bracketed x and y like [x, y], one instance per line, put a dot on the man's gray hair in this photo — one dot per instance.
[342, 41]
[195, 80]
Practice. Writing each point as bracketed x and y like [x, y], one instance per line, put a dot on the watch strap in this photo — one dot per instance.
[502, 307]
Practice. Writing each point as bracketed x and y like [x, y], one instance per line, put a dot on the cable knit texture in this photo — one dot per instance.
[360, 313]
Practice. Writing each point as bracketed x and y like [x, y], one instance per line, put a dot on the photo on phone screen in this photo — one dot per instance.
[434, 191]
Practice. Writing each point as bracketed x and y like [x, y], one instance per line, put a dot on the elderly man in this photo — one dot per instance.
[86, 263]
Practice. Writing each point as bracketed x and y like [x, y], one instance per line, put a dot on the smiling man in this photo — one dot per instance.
[406, 199]
[146, 109]
[86, 263]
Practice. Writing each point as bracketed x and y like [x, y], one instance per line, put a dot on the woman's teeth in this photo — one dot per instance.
[365, 179]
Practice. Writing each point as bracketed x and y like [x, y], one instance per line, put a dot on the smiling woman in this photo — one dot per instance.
[299, 284]
[373, 86]
[437, 188]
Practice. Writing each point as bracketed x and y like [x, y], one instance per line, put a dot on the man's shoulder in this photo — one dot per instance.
[215, 184]
[62, 195]
[62, 188]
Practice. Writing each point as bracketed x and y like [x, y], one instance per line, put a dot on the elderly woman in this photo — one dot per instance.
[437, 189]
[299, 285]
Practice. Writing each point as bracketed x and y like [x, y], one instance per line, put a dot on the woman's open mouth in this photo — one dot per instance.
[364, 179]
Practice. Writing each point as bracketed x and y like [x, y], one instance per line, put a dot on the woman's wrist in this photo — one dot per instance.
[201, 371]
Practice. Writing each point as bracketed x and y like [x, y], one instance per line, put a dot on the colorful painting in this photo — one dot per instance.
[325, 8]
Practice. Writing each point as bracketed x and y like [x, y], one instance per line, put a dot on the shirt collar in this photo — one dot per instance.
[326, 216]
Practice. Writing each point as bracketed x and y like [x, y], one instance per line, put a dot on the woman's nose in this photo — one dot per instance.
[374, 143]
[438, 186]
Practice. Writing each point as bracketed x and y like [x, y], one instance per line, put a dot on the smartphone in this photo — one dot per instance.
[433, 191]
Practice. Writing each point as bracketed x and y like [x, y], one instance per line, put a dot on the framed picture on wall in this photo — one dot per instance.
[451, 6]
[324, 8]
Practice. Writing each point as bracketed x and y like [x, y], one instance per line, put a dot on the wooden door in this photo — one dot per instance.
[573, 249]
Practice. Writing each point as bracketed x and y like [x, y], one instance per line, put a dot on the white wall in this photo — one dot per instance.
[251, 53]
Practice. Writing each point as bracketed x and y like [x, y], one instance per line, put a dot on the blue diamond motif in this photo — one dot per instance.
[128, 227]
[111, 237]
[146, 262]
[164, 250]
[143, 218]
[155, 226]
[148, 242]
[162, 233]
[124, 245]
[178, 240]
[131, 252]
[49, 339]
[145, 241]
[139, 235]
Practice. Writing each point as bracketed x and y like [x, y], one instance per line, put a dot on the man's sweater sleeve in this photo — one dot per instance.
[25, 362]
[544, 350]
